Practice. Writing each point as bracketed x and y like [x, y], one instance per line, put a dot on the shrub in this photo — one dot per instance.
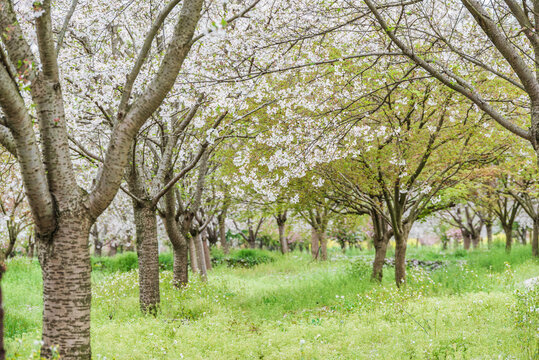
[360, 268]
[122, 262]
[166, 261]
[249, 258]
[217, 256]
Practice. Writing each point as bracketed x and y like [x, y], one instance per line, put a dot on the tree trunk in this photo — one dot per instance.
[380, 250]
[98, 244]
[523, 236]
[535, 238]
[65, 264]
[508, 238]
[207, 256]
[222, 233]
[282, 238]
[179, 250]
[466, 240]
[251, 240]
[401, 240]
[201, 261]
[113, 249]
[315, 243]
[193, 255]
[323, 245]
[488, 226]
[476, 240]
[2, 349]
[148, 257]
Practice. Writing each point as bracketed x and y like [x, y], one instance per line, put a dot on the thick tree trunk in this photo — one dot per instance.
[222, 233]
[65, 263]
[148, 257]
[193, 255]
[201, 261]
[113, 249]
[401, 241]
[207, 256]
[380, 250]
[466, 240]
[476, 240]
[282, 238]
[488, 226]
[2, 349]
[251, 240]
[180, 273]
[535, 238]
[508, 238]
[315, 243]
[323, 245]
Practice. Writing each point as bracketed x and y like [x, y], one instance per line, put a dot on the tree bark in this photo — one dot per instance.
[535, 237]
[31, 247]
[401, 240]
[193, 255]
[179, 247]
[282, 238]
[98, 244]
[251, 240]
[207, 256]
[148, 256]
[488, 226]
[65, 263]
[476, 240]
[380, 250]
[201, 261]
[466, 240]
[508, 238]
[2, 349]
[222, 232]
[315, 243]
[323, 245]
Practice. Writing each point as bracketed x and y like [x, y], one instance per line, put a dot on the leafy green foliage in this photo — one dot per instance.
[249, 258]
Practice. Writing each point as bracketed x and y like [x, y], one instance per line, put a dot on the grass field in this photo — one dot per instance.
[294, 308]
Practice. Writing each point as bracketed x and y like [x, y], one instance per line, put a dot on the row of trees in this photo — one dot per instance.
[313, 108]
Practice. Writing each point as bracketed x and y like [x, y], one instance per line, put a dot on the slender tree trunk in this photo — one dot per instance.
[207, 255]
[508, 238]
[488, 226]
[65, 264]
[201, 261]
[401, 240]
[179, 249]
[535, 238]
[282, 238]
[380, 250]
[193, 255]
[148, 257]
[222, 233]
[315, 243]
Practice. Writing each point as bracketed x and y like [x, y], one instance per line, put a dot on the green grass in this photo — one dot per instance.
[293, 308]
